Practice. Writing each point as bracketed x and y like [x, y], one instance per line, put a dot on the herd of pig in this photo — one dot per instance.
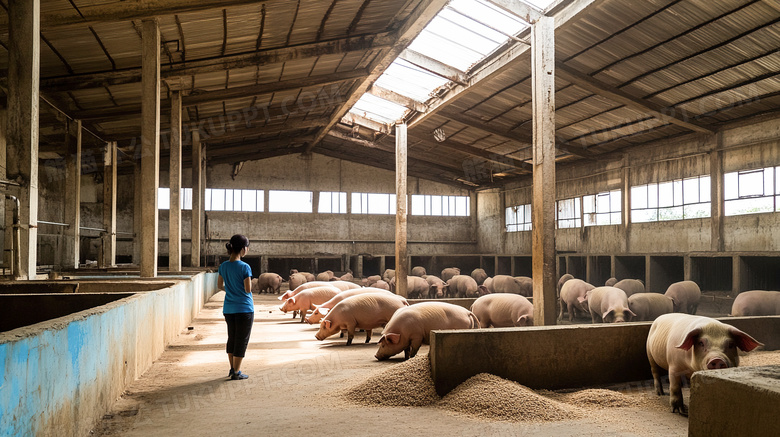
[679, 341]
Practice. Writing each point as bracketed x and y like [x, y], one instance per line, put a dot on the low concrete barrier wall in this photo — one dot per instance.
[60, 376]
[18, 310]
[556, 357]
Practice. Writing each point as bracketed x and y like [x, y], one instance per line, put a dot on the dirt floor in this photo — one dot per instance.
[293, 385]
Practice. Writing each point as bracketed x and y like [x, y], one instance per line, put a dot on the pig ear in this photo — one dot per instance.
[744, 342]
[604, 316]
[522, 320]
[690, 338]
[483, 290]
[627, 312]
[326, 323]
[393, 338]
[292, 299]
[582, 299]
[323, 311]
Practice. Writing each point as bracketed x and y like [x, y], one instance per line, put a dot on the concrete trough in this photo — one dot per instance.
[60, 376]
[558, 357]
[738, 401]
[84, 286]
[18, 310]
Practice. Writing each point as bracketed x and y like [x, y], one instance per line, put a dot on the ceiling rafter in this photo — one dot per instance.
[434, 67]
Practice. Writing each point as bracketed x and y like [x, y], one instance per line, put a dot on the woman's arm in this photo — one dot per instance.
[248, 284]
[220, 283]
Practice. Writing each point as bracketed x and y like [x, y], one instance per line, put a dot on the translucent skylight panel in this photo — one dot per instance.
[378, 109]
[409, 80]
[540, 4]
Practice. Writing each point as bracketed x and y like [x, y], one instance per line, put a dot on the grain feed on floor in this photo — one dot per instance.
[408, 384]
[491, 397]
[760, 358]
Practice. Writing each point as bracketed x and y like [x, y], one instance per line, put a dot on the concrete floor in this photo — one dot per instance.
[290, 391]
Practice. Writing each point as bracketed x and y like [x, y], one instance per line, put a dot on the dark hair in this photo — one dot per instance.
[237, 242]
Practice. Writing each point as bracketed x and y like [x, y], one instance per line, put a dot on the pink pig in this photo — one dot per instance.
[306, 299]
[411, 327]
[322, 310]
[363, 311]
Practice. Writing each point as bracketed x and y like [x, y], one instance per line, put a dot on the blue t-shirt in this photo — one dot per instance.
[237, 300]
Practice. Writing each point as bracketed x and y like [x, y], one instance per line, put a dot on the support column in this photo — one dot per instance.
[137, 210]
[716, 195]
[7, 215]
[22, 136]
[73, 198]
[543, 215]
[401, 254]
[109, 206]
[174, 218]
[197, 199]
[626, 207]
[150, 144]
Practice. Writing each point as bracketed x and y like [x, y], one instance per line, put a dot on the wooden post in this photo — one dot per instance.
[7, 214]
[626, 211]
[401, 255]
[716, 195]
[150, 144]
[137, 208]
[543, 216]
[73, 199]
[109, 206]
[174, 218]
[22, 137]
[197, 199]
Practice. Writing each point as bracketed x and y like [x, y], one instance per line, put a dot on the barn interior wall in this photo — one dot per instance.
[749, 146]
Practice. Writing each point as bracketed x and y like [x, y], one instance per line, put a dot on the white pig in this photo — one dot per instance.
[685, 295]
[756, 303]
[321, 310]
[684, 344]
[364, 311]
[411, 327]
[307, 299]
[608, 305]
[572, 297]
[648, 306]
[502, 310]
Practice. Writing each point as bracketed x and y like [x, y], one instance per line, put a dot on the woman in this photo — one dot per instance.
[238, 309]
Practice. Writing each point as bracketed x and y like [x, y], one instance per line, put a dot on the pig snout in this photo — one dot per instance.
[717, 363]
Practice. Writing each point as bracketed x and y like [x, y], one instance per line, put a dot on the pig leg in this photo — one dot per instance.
[693, 308]
[295, 314]
[350, 334]
[368, 335]
[675, 391]
[656, 370]
[415, 346]
[560, 313]
[303, 315]
[571, 310]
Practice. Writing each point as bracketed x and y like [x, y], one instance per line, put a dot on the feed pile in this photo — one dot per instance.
[408, 384]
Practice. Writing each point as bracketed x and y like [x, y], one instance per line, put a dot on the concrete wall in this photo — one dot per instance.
[744, 147]
[62, 375]
[557, 357]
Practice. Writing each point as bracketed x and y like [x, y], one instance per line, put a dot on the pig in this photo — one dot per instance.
[411, 327]
[270, 282]
[573, 298]
[321, 310]
[341, 285]
[416, 287]
[503, 310]
[388, 274]
[437, 287]
[479, 275]
[611, 282]
[648, 306]
[381, 284]
[327, 275]
[462, 286]
[562, 281]
[630, 286]
[608, 305]
[296, 280]
[683, 344]
[487, 286]
[756, 303]
[685, 295]
[309, 276]
[526, 285]
[449, 272]
[371, 280]
[418, 271]
[508, 284]
[346, 277]
[365, 311]
[306, 299]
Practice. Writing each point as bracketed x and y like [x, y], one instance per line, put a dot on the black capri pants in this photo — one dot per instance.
[239, 329]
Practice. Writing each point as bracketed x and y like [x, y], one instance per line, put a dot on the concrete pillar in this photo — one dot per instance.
[401, 254]
[736, 275]
[108, 258]
[382, 265]
[73, 198]
[626, 207]
[716, 195]
[174, 218]
[150, 144]
[264, 264]
[543, 214]
[7, 215]
[137, 211]
[358, 273]
[197, 198]
[22, 136]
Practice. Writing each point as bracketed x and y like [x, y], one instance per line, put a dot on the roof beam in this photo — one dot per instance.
[104, 12]
[503, 62]
[476, 151]
[409, 30]
[252, 156]
[220, 63]
[435, 67]
[392, 96]
[520, 9]
[667, 115]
